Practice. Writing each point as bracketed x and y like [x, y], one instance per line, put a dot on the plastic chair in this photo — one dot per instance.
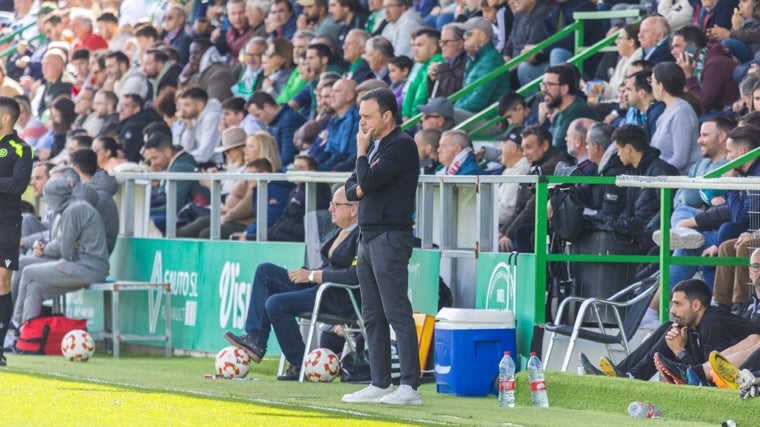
[642, 293]
[316, 316]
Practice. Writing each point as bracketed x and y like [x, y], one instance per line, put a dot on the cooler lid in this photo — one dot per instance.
[470, 315]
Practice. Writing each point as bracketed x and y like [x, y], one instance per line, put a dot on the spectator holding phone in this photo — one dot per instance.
[708, 68]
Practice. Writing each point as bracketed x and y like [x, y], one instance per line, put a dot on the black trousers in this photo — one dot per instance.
[384, 283]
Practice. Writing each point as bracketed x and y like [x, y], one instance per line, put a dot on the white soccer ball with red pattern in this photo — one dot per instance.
[77, 346]
[322, 365]
[232, 362]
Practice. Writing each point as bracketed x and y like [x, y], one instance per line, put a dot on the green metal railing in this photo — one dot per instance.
[487, 117]
[663, 258]
[12, 49]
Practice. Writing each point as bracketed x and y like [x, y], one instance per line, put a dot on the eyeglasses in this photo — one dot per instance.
[754, 266]
[431, 116]
[445, 42]
[548, 84]
[334, 205]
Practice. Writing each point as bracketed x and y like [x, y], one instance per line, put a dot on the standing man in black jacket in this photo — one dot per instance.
[15, 174]
[385, 183]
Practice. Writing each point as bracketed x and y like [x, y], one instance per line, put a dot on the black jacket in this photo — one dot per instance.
[526, 193]
[643, 204]
[389, 184]
[130, 133]
[289, 226]
[450, 76]
[717, 330]
[607, 199]
[340, 268]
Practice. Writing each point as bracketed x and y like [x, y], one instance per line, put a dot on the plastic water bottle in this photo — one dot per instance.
[538, 396]
[644, 410]
[507, 381]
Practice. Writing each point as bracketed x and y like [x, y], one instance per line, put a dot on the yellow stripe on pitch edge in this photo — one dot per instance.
[46, 401]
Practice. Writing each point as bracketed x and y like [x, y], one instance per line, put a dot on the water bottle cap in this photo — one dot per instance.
[506, 353]
[533, 353]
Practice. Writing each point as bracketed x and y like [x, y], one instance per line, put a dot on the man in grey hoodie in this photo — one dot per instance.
[80, 246]
[85, 163]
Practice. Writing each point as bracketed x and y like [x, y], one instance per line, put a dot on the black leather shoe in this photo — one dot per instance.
[291, 374]
[588, 367]
[245, 342]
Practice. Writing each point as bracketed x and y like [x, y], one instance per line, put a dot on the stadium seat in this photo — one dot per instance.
[640, 295]
[316, 316]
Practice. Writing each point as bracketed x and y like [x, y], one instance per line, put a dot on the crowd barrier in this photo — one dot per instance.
[456, 222]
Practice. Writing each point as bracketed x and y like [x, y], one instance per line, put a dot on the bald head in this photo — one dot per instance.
[576, 137]
[343, 96]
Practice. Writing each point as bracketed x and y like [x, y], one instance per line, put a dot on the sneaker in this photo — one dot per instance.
[245, 342]
[404, 395]
[671, 371]
[10, 340]
[609, 368]
[682, 238]
[650, 321]
[369, 394]
[588, 367]
[291, 374]
[724, 374]
[692, 378]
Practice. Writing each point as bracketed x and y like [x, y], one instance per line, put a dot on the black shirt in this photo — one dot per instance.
[15, 174]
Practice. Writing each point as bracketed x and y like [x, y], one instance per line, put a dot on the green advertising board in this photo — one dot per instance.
[506, 281]
[211, 285]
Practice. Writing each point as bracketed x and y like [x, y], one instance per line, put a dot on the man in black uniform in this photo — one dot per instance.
[385, 183]
[15, 174]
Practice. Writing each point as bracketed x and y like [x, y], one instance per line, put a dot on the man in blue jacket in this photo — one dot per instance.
[456, 154]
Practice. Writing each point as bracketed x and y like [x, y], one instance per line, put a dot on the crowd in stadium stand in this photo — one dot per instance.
[274, 85]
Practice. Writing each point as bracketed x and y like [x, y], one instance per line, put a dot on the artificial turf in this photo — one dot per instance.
[179, 383]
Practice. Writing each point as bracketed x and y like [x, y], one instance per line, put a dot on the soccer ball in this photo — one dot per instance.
[232, 362]
[322, 365]
[77, 346]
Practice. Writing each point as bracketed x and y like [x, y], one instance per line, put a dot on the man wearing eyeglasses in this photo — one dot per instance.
[279, 295]
[482, 59]
[449, 75]
[561, 87]
[402, 21]
[175, 33]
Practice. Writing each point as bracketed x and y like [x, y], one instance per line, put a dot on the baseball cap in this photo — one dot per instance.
[478, 23]
[306, 3]
[438, 105]
[515, 135]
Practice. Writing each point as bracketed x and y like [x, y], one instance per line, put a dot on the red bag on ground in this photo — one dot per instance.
[43, 335]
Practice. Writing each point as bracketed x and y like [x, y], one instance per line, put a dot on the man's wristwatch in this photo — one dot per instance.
[311, 276]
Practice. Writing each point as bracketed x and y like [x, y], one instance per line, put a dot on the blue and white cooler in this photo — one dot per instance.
[469, 344]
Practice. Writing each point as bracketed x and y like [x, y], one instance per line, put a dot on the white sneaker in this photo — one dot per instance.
[681, 238]
[650, 320]
[404, 395]
[369, 394]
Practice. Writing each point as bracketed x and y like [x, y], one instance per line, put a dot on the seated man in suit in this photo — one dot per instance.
[278, 295]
